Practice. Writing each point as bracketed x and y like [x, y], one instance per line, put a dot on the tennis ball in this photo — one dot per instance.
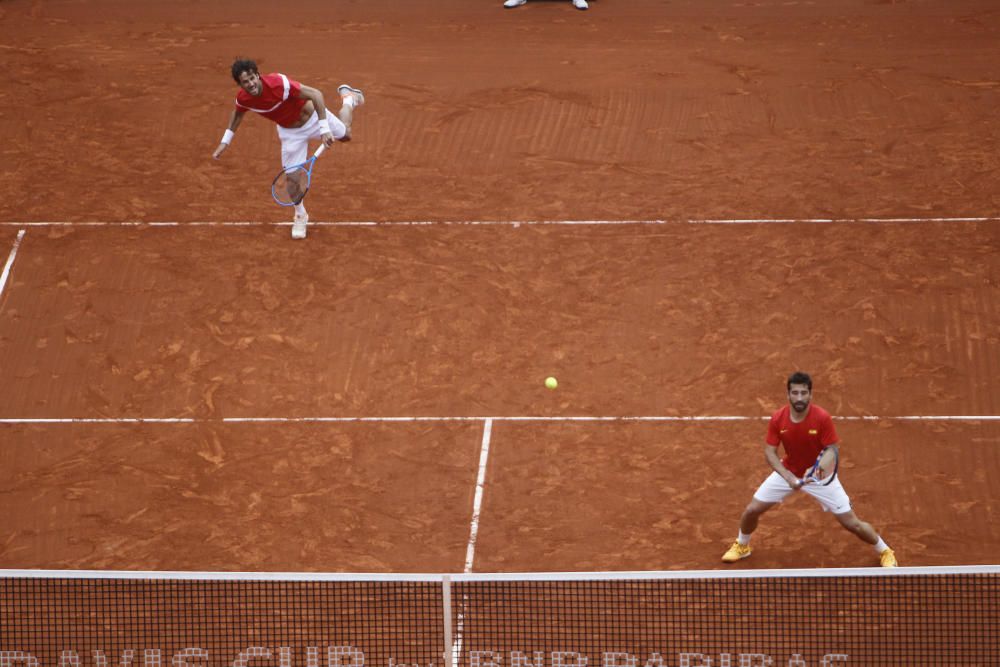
[551, 382]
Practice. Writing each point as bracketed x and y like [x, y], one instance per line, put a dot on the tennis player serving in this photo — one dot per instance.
[806, 432]
[300, 113]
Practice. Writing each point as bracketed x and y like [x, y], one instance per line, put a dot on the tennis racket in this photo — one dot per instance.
[290, 186]
[824, 471]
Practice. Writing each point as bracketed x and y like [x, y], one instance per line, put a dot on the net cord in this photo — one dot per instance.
[502, 576]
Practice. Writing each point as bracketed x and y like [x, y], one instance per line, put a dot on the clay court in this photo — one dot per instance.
[766, 186]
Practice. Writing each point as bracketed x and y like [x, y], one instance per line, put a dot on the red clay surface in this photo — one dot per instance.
[637, 110]
[373, 497]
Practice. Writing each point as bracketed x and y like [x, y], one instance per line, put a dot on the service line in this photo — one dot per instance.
[508, 223]
[488, 421]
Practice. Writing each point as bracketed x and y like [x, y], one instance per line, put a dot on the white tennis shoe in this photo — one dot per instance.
[514, 3]
[347, 91]
[580, 4]
[299, 225]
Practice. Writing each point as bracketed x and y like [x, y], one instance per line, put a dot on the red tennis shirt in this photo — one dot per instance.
[278, 100]
[803, 441]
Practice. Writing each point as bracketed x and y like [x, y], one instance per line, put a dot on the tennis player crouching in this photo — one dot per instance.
[804, 430]
[300, 113]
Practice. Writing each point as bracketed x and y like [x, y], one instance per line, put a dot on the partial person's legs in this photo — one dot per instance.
[294, 148]
[300, 221]
[772, 491]
[337, 127]
[351, 98]
[751, 516]
[748, 523]
[863, 530]
[866, 533]
[833, 498]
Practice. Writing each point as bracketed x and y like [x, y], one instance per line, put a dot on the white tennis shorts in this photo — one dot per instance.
[295, 140]
[832, 498]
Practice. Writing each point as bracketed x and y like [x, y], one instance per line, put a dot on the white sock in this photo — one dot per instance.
[348, 100]
[880, 546]
[300, 209]
[743, 539]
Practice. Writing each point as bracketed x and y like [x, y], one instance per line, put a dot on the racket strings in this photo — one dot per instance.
[825, 468]
[291, 185]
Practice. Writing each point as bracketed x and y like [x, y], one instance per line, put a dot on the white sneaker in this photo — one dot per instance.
[580, 4]
[299, 226]
[514, 3]
[347, 91]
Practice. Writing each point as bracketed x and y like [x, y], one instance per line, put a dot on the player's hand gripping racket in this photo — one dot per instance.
[291, 185]
[824, 471]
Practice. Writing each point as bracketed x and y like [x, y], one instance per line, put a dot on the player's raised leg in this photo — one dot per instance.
[351, 99]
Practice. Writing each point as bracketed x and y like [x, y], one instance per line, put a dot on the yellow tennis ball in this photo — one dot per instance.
[551, 382]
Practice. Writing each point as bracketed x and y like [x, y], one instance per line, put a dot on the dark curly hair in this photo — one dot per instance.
[241, 65]
[798, 377]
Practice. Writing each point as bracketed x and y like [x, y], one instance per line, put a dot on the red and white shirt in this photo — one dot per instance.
[279, 99]
[802, 441]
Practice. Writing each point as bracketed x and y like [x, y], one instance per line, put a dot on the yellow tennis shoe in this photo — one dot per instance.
[888, 559]
[736, 552]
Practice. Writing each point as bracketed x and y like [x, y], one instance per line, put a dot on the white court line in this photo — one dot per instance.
[10, 261]
[470, 551]
[477, 504]
[511, 223]
[522, 418]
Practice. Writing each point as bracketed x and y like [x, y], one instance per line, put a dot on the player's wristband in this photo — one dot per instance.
[324, 126]
[227, 136]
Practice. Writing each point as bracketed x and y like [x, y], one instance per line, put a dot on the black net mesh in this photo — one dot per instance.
[745, 622]
[154, 623]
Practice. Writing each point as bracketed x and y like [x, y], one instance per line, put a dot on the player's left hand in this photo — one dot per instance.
[327, 139]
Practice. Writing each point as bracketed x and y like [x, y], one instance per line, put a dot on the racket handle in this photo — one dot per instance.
[319, 151]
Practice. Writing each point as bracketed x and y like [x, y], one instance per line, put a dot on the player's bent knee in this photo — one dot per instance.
[756, 508]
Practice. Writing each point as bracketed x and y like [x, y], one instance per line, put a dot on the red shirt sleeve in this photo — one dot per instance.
[774, 430]
[827, 433]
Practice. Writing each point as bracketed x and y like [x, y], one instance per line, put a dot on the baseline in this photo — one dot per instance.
[512, 223]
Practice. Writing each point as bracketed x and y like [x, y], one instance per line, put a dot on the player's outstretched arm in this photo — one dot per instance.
[234, 122]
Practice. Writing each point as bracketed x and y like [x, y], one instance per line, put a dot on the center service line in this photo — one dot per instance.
[477, 504]
[10, 261]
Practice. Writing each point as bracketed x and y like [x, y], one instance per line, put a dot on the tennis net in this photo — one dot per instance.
[786, 618]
